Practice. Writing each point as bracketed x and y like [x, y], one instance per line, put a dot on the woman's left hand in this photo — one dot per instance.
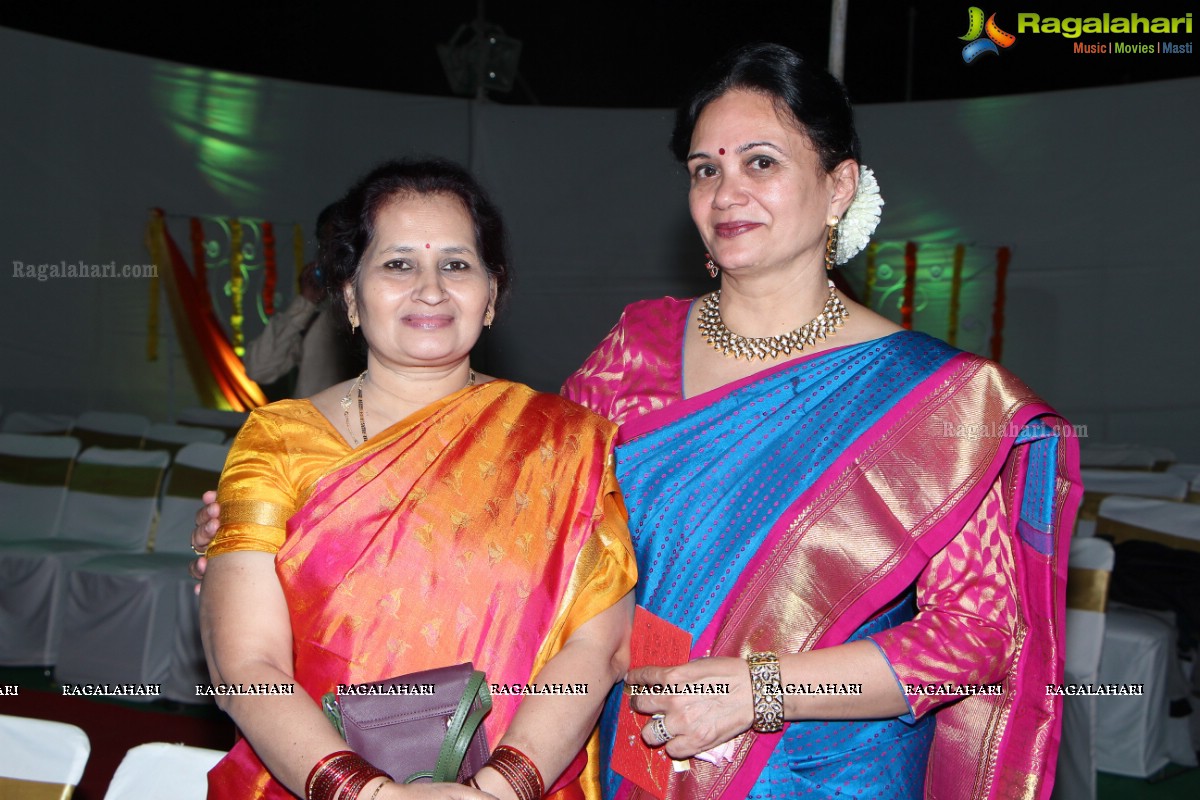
[719, 706]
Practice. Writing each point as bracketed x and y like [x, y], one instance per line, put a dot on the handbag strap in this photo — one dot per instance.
[460, 731]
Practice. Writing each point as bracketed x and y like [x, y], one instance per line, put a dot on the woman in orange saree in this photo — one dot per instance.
[457, 518]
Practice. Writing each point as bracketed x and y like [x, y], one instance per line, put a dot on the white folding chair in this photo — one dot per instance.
[172, 438]
[37, 424]
[33, 483]
[1137, 736]
[1094, 455]
[111, 506]
[36, 755]
[158, 770]
[1090, 564]
[114, 430]
[1101, 483]
[123, 612]
[1189, 472]
[1167, 522]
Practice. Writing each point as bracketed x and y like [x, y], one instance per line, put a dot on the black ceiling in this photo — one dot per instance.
[614, 54]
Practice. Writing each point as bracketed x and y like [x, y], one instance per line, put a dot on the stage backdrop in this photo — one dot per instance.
[1092, 190]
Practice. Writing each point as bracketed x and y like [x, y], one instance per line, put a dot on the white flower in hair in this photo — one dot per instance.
[861, 218]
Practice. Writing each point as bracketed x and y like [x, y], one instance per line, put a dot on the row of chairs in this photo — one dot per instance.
[94, 548]
[120, 430]
[35, 753]
[1141, 496]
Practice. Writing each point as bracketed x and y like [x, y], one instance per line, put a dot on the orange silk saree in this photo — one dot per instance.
[486, 528]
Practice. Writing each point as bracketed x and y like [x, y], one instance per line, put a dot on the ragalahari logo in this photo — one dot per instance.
[976, 27]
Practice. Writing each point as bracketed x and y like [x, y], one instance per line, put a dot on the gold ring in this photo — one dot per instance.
[201, 553]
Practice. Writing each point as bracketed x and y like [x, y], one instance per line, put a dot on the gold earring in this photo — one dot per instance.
[489, 317]
[831, 243]
[710, 266]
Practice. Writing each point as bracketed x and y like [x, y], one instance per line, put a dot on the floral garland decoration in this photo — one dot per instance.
[908, 304]
[237, 286]
[270, 276]
[861, 218]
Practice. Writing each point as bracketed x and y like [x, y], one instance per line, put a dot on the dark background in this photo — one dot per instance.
[615, 54]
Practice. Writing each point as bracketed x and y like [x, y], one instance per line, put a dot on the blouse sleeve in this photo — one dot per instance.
[596, 384]
[965, 630]
[255, 496]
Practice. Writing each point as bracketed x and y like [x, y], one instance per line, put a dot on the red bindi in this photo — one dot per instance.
[427, 245]
[721, 151]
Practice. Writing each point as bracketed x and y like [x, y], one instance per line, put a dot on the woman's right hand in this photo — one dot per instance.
[207, 522]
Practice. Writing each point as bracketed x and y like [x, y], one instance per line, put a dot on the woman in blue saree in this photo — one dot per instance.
[864, 535]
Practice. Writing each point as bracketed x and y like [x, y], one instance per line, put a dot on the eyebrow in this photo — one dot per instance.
[404, 248]
[739, 150]
[752, 145]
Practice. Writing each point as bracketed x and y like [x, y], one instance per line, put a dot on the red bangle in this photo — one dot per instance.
[340, 776]
[319, 767]
[519, 771]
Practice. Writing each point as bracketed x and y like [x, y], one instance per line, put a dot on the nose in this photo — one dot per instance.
[429, 288]
[729, 191]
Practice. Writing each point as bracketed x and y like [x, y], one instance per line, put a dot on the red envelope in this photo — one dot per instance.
[656, 643]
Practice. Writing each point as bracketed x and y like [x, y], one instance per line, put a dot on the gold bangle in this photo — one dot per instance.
[767, 685]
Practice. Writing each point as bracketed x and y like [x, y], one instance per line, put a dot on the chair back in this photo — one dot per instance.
[110, 429]
[37, 751]
[112, 498]
[1089, 567]
[40, 424]
[1124, 456]
[172, 438]
[163, 770]
[34, 471]
[228, 421]
[1100, 483]
[196, 470]
[1170, 523]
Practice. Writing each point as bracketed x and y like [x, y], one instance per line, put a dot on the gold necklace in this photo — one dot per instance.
[713, 329]
[362, 414]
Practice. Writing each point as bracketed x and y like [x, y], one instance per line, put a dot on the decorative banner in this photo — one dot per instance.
[1003, 256]
[298, 253]
[910, 285]
[960, 253]
[237, 287]
[216, 370]
[872, 253]
[269, 270]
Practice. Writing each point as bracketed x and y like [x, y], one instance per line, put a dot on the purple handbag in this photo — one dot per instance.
[421, 726]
